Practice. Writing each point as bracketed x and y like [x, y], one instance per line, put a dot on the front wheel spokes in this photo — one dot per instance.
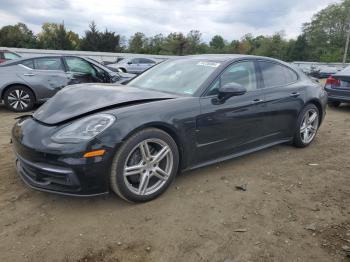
[161, 154]
[144, 180]
[145, 152]
[312, 118]
[133, 170]
[161, 174]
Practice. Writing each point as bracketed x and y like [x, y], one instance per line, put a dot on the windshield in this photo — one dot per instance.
[181, 76]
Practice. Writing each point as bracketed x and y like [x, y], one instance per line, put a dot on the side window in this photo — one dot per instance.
[78, 65]
[276, 75]
[146, 61]
[10, 56]
[242, 73]
[48, 63]
[135, 61]
[28, 63]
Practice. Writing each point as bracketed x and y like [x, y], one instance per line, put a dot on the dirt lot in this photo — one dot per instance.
[296, 208]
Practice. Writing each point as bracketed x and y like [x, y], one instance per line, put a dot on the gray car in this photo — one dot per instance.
[133, 65]
[33, 80]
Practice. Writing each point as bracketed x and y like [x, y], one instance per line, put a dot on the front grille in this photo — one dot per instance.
[48, 176]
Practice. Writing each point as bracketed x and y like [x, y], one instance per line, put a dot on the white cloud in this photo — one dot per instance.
[231, 19]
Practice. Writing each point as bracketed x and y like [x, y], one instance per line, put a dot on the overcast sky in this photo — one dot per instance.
[229, 18]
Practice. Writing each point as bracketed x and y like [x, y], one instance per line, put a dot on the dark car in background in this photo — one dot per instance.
[6, 55]
[338, 87]
[33, 80]
[181, 114]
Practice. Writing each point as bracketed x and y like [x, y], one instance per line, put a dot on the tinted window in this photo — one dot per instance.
[10, 56]
[48, 63]
[78, 65]
[242, 73]
[28, 63]
[276, 75]
[135, 61]
[145, 61]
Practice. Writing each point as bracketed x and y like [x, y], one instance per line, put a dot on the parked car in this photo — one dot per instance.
[338, 87]
[323, 71]
[306, 68]
[116, 60]
[28, 81]
[133, 65]
[6, 55]
[179, 115]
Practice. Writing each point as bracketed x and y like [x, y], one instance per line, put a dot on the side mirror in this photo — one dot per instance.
[229, 90]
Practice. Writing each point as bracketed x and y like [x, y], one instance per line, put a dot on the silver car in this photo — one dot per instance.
[133, 65]
[33, 80]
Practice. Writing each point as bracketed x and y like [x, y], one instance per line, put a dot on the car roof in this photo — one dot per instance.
[227, 57]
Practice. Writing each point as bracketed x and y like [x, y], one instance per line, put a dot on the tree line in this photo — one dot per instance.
[322, 39]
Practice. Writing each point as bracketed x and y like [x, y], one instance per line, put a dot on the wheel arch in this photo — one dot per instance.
[123, 69]
[170, 130]
[319, 107]
[16, 84]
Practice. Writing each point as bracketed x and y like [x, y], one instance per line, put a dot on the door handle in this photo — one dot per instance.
[29, 74]
[295, 94]
[257, 101]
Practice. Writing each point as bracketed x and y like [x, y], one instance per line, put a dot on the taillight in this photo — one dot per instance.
[332, 81]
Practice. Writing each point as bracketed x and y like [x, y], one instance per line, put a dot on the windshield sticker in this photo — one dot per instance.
[188, 91]
[211, 64]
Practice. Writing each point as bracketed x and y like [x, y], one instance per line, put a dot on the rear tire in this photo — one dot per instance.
[334, 103]
[144, 166]
[307, 126]
[19, 99]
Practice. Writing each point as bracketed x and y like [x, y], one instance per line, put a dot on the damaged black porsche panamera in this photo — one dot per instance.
[182, 114]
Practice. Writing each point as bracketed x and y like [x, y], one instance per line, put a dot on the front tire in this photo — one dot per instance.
[144, 166]
[19, 99]
[307, 126]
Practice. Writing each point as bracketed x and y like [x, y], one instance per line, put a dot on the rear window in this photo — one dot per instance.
[10, 56]
[28, 63]
[276, 74]
[52, 63]
[146, 61]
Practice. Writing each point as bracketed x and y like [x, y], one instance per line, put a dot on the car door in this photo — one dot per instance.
[45, 75]
[81, 71]
[283, 99]
[235, 125]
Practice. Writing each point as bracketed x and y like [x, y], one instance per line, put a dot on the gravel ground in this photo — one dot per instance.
[296, 208]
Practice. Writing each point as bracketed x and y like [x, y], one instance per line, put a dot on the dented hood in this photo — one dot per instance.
[78, 100]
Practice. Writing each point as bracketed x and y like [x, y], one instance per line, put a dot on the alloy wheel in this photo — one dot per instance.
[309, 126]
[148, 167]
[18, 99]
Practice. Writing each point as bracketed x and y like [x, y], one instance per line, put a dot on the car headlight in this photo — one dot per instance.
[84, 129]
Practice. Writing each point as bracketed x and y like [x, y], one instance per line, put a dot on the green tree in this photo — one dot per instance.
[217, 44]
[55, 36]
[175, 44]
[326, 32]
[91, 40]
[17, 36]
[109, 42]
[138, 43]
[155, 44]
[193, 42]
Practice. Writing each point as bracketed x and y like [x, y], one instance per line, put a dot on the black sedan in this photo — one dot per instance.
[338, 87]
[182, 114]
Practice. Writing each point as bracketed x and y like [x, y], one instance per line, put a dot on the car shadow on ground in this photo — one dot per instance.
[343, 108]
